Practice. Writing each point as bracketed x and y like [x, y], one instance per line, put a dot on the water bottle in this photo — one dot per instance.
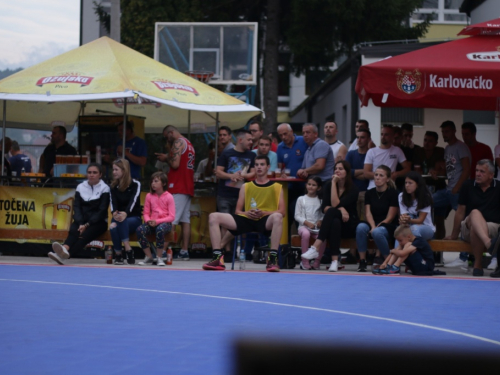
[253, 204]
[170, 255]
[109, 255]
[243, 258]
[426, 168]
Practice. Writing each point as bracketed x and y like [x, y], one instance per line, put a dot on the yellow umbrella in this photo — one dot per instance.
[108, 76]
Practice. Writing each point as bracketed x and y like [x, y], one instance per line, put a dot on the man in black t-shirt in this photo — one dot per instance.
[478, 213]
[58, 146]
[234, 166]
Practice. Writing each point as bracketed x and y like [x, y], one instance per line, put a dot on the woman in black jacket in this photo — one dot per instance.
[90, 215]
[340, 197]
[125, 208]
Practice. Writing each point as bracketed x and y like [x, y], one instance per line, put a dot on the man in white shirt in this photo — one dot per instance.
[338, 148]
[360, 124]
[385, 154]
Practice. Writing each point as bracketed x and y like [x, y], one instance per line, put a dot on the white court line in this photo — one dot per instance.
[272, 304]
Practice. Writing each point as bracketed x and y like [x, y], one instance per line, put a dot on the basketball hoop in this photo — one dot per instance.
[200, 75]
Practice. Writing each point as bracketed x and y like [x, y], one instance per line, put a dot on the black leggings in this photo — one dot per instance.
[77, 242]
[333, 229]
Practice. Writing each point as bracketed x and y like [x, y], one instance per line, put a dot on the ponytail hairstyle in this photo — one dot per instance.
[422, 194]
[388, 173]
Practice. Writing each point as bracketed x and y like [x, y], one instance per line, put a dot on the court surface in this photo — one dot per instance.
[112, 320]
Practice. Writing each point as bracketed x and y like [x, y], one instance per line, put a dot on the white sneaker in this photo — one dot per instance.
[161, 263]
[60, 250]
[457, 263]
[147, 261]
[311, 253]
[334, 267]
[493, 264]
[56, 258]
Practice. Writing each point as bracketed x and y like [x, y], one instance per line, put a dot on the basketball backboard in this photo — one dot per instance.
[227, 49]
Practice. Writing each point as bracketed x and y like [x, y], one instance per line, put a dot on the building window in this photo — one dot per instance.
[440, 11]
[400, 115]
[480, 117]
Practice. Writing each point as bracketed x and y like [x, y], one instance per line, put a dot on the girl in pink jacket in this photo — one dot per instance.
[159, 212]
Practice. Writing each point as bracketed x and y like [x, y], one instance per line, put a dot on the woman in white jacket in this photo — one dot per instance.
[309, 216]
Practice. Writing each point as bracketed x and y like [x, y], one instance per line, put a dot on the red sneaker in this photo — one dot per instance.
[216, 264]
[272, 263]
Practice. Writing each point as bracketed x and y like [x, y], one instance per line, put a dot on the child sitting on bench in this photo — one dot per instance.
[414, 251]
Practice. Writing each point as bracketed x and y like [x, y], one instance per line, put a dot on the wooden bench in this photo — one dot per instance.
[60, 235]
[436, 245]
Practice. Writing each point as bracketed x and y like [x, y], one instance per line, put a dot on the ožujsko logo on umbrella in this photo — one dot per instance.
[491, 56]
[408, 81]
[66, 78]
[164, 85]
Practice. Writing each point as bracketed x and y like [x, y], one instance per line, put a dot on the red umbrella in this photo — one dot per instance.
[461, 74]
[484, 28]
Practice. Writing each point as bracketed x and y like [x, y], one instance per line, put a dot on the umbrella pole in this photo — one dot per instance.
[3, 134]
[189, 124]
[216, 139]
[124, 126]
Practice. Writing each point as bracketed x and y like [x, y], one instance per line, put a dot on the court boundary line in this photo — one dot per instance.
[419, 325]
[283, 271]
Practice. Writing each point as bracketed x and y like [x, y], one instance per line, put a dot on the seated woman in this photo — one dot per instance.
[125, 208]
[381, 210]
[340, 197]
[90, 215]
[415, 205]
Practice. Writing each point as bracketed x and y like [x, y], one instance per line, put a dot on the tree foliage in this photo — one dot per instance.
[319, 31]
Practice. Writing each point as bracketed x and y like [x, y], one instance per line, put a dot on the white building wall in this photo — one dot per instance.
[91, 28]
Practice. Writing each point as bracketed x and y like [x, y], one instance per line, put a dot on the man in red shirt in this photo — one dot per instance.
[478, 150]
[180, 181]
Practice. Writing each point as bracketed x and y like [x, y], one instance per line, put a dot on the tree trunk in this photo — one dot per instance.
[271, 65]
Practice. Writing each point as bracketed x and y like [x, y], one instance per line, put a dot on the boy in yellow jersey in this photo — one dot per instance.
[260, 208]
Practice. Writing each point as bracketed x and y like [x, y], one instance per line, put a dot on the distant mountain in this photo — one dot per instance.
[8, 72]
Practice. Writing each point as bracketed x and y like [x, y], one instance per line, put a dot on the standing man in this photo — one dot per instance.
[18, 160]
[318, 159]
[360, 124]
[338, 148]
[136, 151]
[180, 182]
[265, 149]
[225, 138]
[457, 159]
[58, 146]
[234, 166]
[356, 159]
[260, 208]
[291, 151]
[478, 150]
[257, 132]
[478, 216]
[386, 154]
[407, 145]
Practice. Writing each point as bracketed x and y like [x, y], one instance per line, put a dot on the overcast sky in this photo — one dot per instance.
[32, 31]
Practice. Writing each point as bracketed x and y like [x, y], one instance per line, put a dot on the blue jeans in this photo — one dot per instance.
[380, 236]
[420, 230]
[121, 232]
[442, 199]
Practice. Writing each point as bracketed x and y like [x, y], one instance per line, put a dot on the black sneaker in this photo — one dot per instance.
[119, 259]
[130, 256]
[362, 265]
[496, 273]
[478, 272]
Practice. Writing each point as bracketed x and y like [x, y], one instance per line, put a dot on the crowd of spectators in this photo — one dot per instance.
[363, 191]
